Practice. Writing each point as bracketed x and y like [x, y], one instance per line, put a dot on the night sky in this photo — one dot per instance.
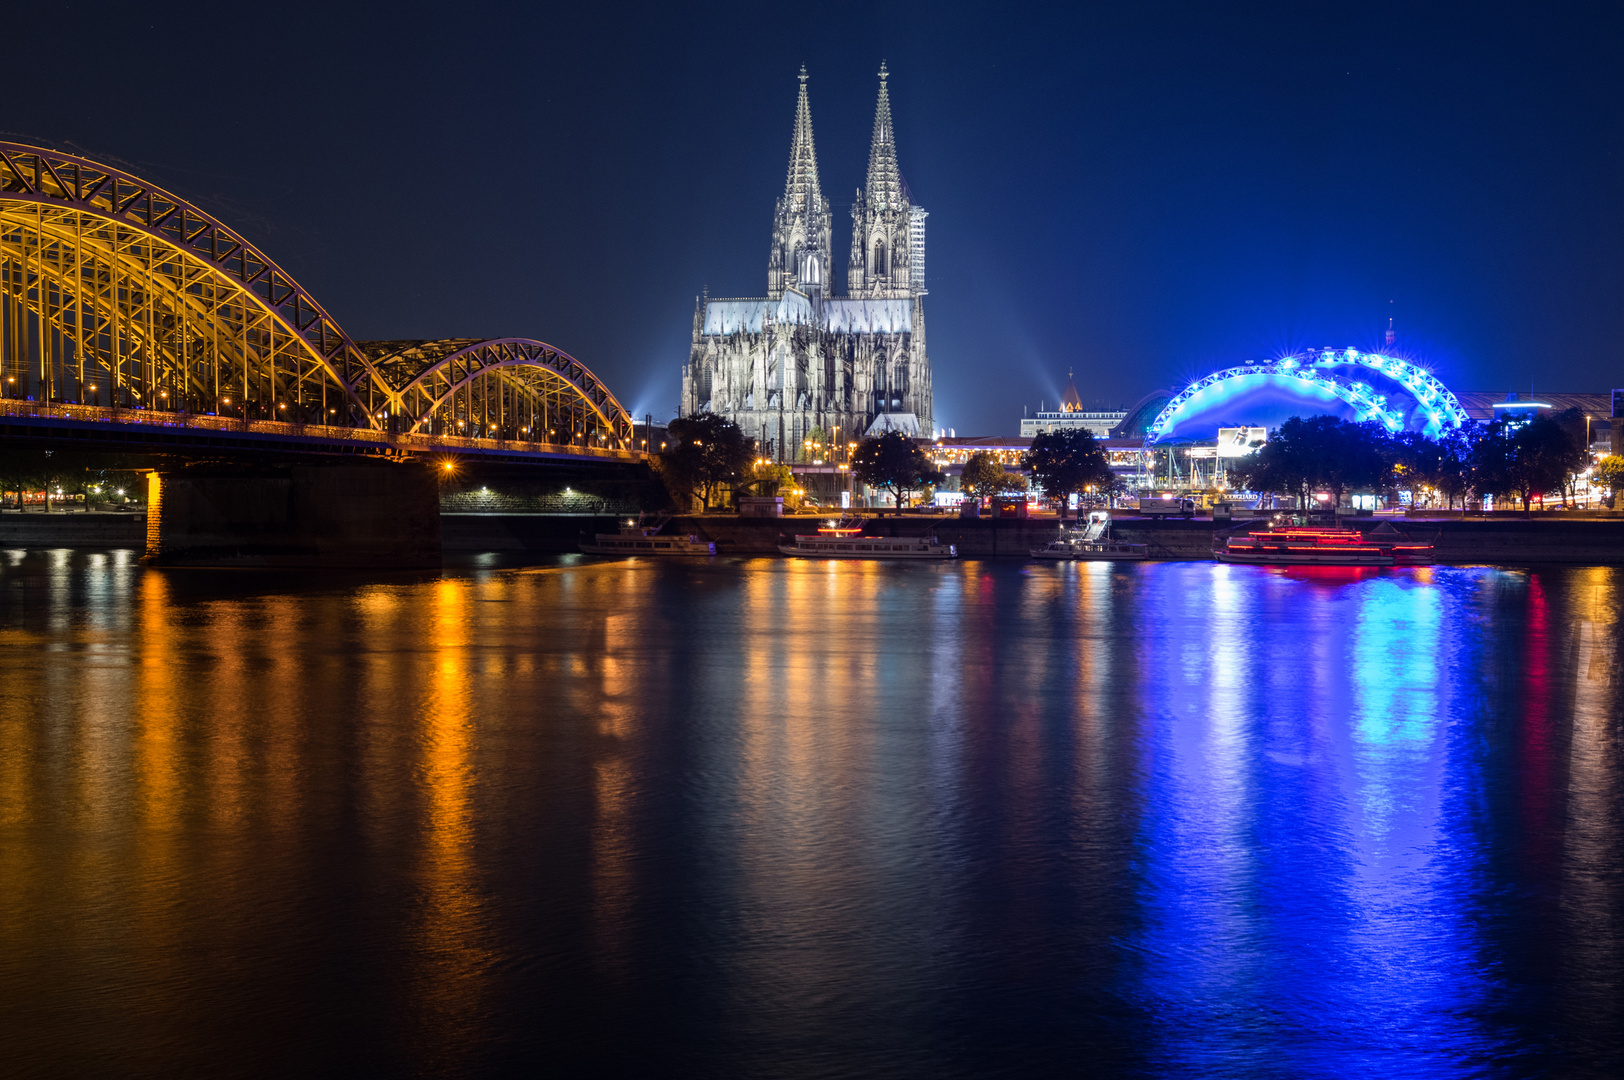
[1141, 191]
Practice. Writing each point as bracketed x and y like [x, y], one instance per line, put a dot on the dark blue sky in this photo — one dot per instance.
[1141, 191]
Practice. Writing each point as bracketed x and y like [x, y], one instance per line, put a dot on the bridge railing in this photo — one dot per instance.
[371, 436]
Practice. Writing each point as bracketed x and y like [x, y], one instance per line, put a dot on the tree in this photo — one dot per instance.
[1279, 466]
[707, 453]
[1322, 453]
[985, 475]
[1610, 475]
[1436, 465]
[1068, 463]
[1577, 427]
[1493, 459]
[768, 477]
[896, 462]
[1547, 454]
[1453, 475]
[64, 473]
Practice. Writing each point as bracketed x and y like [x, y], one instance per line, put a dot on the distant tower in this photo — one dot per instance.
[801, 223]
[1391, 336]
[1070, 401]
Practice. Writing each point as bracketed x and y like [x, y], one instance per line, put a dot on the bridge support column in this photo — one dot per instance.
[361, 515]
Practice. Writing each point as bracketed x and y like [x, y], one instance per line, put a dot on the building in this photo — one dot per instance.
[1071, 415]
[1396, 393]
[1129, 458]
[1596, 407]
[804, 358]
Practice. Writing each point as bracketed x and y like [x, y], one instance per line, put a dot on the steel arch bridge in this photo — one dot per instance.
[117, 296]
[1431, 407]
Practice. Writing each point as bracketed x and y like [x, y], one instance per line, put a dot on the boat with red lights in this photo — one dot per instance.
[1297, 545]
[848, 542]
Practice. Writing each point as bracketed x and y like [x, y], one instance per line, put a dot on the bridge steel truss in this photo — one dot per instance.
[115, 293]
[508, 388]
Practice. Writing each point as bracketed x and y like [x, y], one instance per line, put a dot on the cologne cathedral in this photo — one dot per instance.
[803, 358]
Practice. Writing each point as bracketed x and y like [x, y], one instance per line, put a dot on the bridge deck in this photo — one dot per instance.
[173, 430]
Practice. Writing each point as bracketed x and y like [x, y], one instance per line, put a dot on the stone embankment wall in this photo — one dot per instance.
[1500, 540]
[484, 488]
[474, 499]
[96, 529]
[1540, 539]
[545, 534]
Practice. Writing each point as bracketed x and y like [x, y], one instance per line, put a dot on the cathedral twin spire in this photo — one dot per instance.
[884, 178]
[887, 251]
[800, 253]
[802, 182]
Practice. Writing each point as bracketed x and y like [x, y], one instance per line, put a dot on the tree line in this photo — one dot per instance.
[1503, 459]
[66, 474]
[708, 455]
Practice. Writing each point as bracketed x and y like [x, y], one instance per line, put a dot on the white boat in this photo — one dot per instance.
[848, 542]
[1091, 542]
[641, 539]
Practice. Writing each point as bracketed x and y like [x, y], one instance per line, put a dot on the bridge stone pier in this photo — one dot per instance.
[362, 515]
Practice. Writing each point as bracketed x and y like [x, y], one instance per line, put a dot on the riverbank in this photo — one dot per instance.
[1539, 539]
[1553, 539]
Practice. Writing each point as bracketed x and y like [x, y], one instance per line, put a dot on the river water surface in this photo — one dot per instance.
[789, 819]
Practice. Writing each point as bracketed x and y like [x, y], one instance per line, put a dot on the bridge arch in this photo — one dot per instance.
[519, 387]
[1364, 386]
[116, 292]
[111, 284]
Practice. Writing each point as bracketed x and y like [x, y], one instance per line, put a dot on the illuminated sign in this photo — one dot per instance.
[1236, 442]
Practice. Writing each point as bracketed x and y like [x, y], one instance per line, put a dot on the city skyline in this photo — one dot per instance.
[1142, 196]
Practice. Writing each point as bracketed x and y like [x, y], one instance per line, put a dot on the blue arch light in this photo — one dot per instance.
[1326, 377]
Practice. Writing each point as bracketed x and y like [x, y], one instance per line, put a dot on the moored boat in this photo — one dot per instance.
[848, 542]
[641, 539]
[1296, 545]
[1091, 542]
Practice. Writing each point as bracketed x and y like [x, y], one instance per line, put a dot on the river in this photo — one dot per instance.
[780, 818]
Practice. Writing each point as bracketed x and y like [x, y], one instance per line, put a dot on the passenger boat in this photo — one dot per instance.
[1296, 545]
[641, 539]
[1092, 542]
[848, 542]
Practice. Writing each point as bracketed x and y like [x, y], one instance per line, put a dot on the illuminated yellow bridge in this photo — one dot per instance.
[124, 308]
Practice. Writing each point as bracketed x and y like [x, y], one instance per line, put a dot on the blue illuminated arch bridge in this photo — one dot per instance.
[1340, 382]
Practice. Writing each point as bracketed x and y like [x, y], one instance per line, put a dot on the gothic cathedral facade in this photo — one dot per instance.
[801, 358]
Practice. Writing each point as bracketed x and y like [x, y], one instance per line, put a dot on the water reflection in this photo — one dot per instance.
[780, 817]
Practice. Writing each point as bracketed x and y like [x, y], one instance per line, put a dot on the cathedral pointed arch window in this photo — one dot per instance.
[879, 258]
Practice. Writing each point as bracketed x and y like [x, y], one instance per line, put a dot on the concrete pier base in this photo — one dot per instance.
[382, 515]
